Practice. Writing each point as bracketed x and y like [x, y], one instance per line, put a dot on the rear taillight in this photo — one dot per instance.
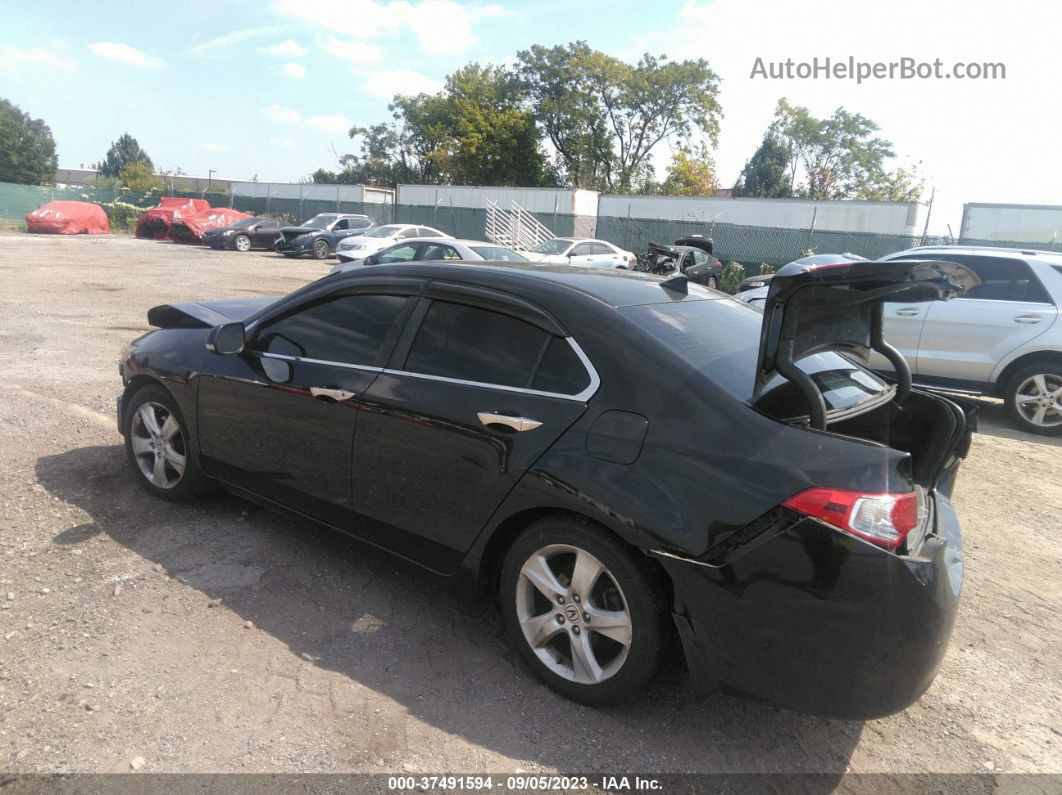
[882, 519]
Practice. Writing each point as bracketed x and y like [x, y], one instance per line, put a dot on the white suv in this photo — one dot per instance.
[1003, 338]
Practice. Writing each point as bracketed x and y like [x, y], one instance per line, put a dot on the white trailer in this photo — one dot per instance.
[1014, 223]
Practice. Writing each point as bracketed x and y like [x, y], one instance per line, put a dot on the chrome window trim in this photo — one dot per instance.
[345, 365]
[583, 396]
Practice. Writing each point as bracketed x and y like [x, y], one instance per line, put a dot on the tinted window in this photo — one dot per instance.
[556, 246]
[360, 223]
[340, 224]
[268, 223]
[582, 250]
[600, 248]
[433, 251]
[561, 370]
[427, 231]
[722, 338]
[403, 253]
[473, 344]
[409, 233]
[1002, 279]
[498, 254]
[349, 329]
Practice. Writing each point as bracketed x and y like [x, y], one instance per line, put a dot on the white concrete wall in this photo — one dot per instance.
[286, 190]
[898, 218]
[537, 200]
[1022, 223]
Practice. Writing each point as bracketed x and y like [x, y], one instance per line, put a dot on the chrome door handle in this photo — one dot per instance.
[516, 423]
[909, 311]
[333, 394]
[1027, 319]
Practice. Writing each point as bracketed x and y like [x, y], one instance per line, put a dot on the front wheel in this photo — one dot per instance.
[159, 446]
[320, 249]
[584, 612]
[1034, 399]
[242, 243]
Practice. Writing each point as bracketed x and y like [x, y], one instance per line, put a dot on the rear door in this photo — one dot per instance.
[479, 386]
[964, 340]
[581, 254]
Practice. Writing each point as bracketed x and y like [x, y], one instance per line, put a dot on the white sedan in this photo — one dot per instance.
[355, 249]
[581, 251]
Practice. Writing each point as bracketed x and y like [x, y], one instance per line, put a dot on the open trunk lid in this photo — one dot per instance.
[838, 307]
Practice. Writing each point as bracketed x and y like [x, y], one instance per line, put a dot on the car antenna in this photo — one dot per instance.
[677, 284]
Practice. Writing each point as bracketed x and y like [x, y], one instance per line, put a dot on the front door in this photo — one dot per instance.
[450, 427]
[279, 419]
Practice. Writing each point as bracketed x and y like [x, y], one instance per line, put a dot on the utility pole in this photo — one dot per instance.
[929, 213]
[210, 177]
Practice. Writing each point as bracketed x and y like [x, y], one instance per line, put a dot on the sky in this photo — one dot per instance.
[269, 88]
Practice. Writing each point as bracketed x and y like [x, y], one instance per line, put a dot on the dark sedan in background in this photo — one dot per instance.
[245, 234]
[318, 236]
[550, 431]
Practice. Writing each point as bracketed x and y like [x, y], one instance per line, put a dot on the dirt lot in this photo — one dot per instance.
[219, 637]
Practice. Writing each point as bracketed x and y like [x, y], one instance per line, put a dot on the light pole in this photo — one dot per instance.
[210, 177]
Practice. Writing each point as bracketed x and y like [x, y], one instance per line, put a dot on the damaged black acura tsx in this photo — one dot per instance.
[620, 458]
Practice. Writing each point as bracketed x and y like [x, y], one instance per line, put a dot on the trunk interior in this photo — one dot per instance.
[933, 429]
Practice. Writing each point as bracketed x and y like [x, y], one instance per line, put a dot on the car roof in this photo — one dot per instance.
[984, 251]
[616, 288]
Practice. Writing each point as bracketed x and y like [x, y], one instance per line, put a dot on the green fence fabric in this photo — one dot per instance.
[748, 245]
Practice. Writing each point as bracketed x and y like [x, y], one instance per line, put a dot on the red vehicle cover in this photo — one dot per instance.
[189, 229]
[156, 222]
[68, 218]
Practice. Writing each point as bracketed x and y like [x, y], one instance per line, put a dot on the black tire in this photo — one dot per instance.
[713, 283]
[1052, 375]
[241, 241]
[320, 249]
[190, 483]
[639, 592]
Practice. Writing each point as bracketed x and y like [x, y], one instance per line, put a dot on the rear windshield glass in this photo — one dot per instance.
[722, 339]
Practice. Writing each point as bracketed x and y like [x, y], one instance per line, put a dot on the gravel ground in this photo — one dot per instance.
[219, 637]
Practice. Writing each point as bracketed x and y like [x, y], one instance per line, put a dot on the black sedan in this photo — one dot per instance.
[319, 236]
[245, 234]
[548, 431]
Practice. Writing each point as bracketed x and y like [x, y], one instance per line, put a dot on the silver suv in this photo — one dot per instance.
[1003, 338]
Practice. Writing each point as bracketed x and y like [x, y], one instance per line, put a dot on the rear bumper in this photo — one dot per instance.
[822, 622]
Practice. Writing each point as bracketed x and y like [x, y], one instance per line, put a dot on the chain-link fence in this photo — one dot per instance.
[748, 245]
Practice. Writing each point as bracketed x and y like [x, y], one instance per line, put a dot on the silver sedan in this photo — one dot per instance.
[433, 249]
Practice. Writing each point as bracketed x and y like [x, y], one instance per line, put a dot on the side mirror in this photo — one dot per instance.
[227, 339]
[372, 259]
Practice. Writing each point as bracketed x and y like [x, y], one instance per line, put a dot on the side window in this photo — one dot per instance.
[424, 231]
[437, 251]
[398, 254]
[340, 225]
[474, 344]
[350, 329]
[601, 248]
[407, 233]
[268, 224]
[1002, 278]
[699, 257]
[360, 223]
[581, 250]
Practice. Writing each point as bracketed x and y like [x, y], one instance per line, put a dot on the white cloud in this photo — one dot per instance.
[215, 147]
[287, 143]
[442, 27]
[389, 82]
[281, 113]
[235, 37]
[118, 51]
[360, 53]
[294, 70]
[13, 59]
[336, 123]
[286, 49]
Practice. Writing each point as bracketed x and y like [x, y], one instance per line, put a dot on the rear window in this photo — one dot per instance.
[722, 340]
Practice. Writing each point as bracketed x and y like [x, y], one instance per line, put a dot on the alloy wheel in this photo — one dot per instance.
[1039, 399]
[573, 614]
[243, 243]
[158, 445]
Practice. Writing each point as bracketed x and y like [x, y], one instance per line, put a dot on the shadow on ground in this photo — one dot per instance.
[433, 647]
[993, 420]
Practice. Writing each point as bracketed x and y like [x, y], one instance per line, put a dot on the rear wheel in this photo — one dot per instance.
[713, 283]
[159, 447]
[320, 249]
[583, 611]
[1034, 398]
[242, 243]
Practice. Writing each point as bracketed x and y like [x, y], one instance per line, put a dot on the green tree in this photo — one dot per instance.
[690, 173]
[838, 157]
[603, 117]
[27, 148]
[123, 152]
[139, 177]
[766, 173]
